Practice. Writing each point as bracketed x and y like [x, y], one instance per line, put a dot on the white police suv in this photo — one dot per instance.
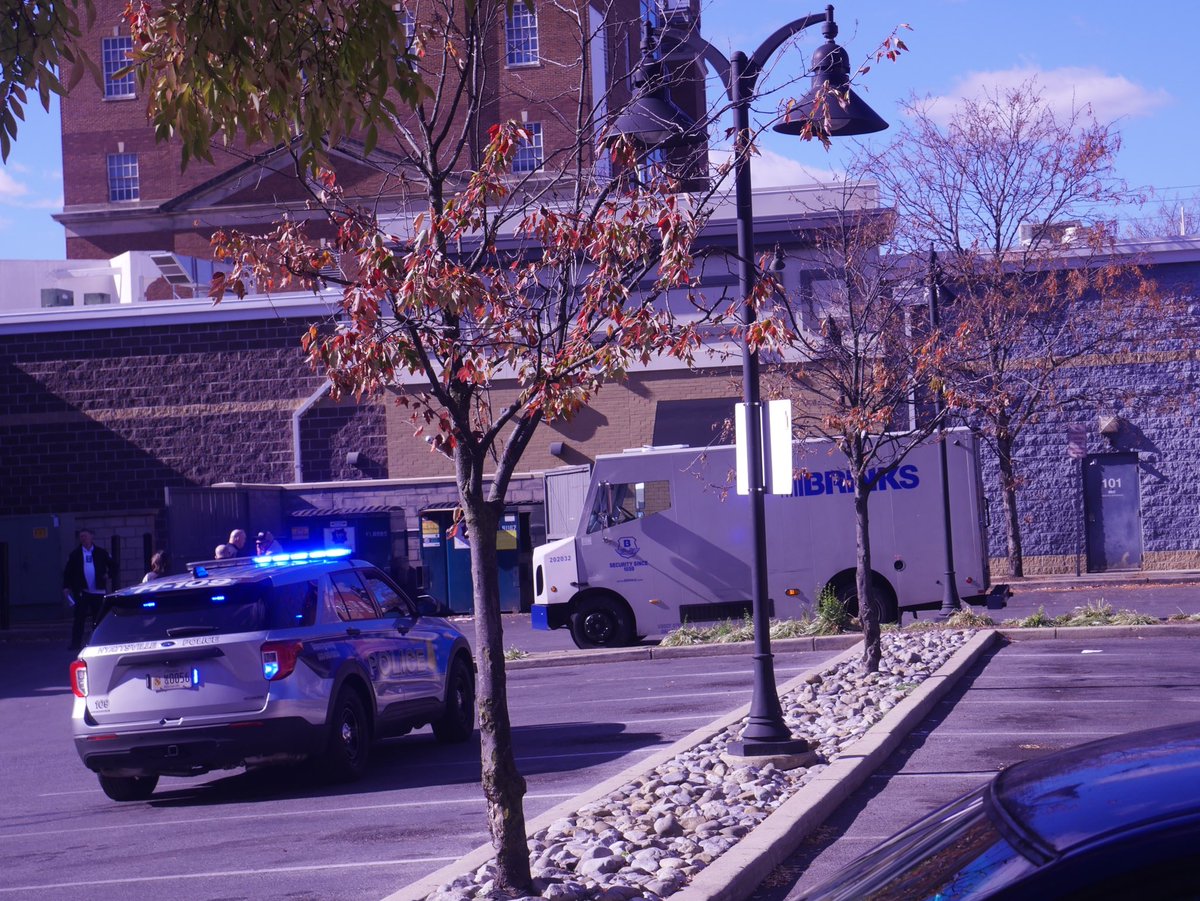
[263, 660]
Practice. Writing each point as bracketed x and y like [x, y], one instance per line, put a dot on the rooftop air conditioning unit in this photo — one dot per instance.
[57, 297]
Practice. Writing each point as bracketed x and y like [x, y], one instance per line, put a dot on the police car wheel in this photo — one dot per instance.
[600, 623]
[349, 744]
[128, 788]
[457, 722]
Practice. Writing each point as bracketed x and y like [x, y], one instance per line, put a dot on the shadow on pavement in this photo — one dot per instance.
[417, 761]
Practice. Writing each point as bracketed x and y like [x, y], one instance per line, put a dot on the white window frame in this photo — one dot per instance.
[113, 56]
[599, 60]
[522, 46]
[531, 154]
[124, 181]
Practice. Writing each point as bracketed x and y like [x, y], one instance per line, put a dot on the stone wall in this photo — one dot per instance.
[1154, 390]
[99, 420]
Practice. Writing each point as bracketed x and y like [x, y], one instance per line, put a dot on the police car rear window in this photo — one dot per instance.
[183, 612]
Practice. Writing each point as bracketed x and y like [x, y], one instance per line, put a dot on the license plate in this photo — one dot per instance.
[180, 679]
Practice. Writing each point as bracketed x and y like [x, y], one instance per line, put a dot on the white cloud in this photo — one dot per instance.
[1069, 87]
[772, 170]
[10, 188]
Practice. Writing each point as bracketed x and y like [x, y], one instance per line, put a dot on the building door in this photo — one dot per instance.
[5, 613]
[1113, 507]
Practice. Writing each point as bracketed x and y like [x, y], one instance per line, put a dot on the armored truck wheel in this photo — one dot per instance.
[601, 621]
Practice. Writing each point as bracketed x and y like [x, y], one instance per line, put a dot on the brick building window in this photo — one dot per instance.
[123, 177]
[410, 30]
[114, 52]
[528, 157]
[408, 22]
[521, 35]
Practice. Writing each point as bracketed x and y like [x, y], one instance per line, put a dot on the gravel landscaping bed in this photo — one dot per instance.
[651, 836]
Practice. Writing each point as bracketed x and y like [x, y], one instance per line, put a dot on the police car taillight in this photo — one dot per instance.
[79, 683]
[279, 659]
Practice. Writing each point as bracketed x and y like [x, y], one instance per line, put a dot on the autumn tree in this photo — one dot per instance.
[39, 40]
[488, 300]
[854, 353]
[1016, 198]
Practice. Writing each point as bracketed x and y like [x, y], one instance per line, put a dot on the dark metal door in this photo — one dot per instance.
[198, 519]
[1113, 506]
[5, 613]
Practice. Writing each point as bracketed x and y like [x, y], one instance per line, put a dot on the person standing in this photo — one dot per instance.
[85, 582]
[265, 543]
[237, 539]
[158, 567]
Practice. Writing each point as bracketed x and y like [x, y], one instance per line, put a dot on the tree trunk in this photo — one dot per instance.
[1008, 492]
[872, 643]
[503, 785]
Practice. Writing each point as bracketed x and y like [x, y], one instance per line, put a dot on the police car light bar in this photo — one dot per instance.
[301, 557]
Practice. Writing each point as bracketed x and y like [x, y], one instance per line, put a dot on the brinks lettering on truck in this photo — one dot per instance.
[840, 481]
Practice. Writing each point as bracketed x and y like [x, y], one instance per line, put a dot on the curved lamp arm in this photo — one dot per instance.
[754, 66]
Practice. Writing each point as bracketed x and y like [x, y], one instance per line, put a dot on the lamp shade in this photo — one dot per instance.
[652, 121]
[831, 79]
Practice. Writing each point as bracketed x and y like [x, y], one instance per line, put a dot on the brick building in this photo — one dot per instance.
[123, 190]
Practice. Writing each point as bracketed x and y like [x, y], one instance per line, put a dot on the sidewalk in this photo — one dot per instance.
[1097, 580]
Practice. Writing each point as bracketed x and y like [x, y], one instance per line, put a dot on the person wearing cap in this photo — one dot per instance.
[265, 543]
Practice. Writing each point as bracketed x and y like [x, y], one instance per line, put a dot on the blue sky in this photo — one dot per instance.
[1129, 61]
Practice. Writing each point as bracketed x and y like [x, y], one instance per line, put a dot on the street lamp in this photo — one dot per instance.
[829, 107]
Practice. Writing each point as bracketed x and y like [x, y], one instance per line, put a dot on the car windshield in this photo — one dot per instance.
[954, 852]
[207, 610]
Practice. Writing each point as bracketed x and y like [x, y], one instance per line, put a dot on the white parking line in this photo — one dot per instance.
[607, 753]
[671, 719]
[982, 775]
[78, 791]
[1055, 702]
[222, 874]
[307, 812]
[1032, 735]
[708, 695]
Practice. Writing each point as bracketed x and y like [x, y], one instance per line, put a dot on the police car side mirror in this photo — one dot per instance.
[427, 605]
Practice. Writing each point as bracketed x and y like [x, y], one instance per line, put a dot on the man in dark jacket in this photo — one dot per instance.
[85, 582]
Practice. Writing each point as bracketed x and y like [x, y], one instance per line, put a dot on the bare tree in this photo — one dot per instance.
[1014, 195]
[1167, 219]
[854, 355]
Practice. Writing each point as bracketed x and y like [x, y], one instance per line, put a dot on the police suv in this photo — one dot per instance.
[262, 660]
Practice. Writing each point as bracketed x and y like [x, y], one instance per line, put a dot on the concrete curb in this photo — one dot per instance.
[819, 642]
[735, 874]
[1091, 580]
[1082, 633]
[654, 652]
[481, 855]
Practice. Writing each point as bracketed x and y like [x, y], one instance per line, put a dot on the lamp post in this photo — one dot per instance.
[648, 118]
[951, 602]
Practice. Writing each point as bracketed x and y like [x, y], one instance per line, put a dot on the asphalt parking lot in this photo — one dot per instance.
[1023, 700]
[284, 834]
